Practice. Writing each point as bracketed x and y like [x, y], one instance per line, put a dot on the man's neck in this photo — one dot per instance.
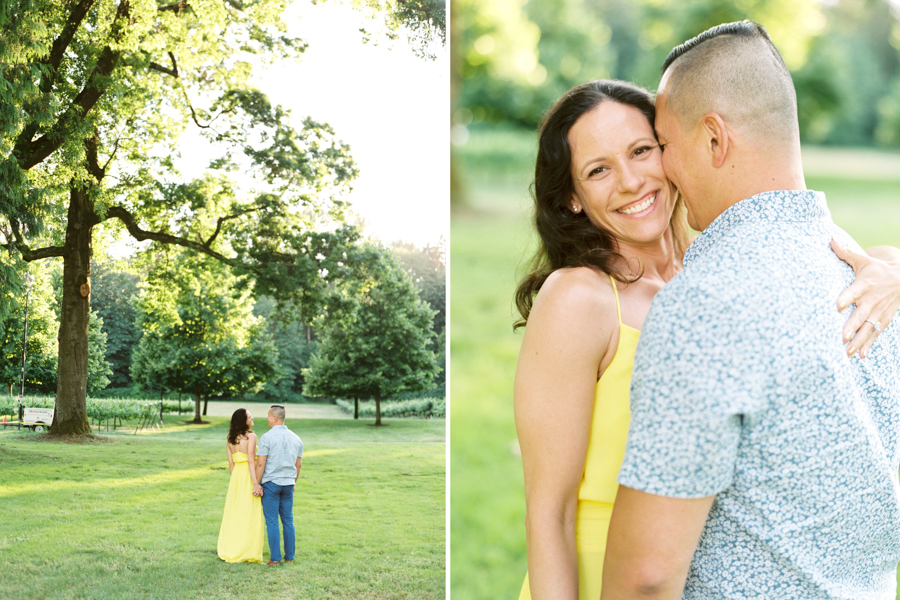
[751, 177]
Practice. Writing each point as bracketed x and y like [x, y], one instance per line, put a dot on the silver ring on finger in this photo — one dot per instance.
[876, 325]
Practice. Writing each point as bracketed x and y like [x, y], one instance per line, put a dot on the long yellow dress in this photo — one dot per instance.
[241, 533]
[606, 450]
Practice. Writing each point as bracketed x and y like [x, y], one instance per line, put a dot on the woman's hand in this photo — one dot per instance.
[876, 293]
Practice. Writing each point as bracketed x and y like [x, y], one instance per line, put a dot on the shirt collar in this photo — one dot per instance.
[781, 205]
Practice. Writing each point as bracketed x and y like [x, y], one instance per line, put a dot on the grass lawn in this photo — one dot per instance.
[490, 241]
[137, 516]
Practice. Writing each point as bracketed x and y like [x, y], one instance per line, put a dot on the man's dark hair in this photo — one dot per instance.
[740, 28]
[734, 70]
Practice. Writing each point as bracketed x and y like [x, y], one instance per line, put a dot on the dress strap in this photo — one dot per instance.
[616, 292]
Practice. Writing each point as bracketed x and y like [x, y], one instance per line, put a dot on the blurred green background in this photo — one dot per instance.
[511, 60]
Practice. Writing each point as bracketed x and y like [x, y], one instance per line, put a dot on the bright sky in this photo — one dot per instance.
[390, 106]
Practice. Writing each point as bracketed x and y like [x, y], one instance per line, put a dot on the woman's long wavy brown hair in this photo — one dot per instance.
[238, 426]
[569, 239]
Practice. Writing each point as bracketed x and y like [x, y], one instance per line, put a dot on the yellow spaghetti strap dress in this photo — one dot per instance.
[241, 533]
[606, 450]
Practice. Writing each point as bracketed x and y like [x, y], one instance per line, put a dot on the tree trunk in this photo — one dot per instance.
[457, 187]
[378, 408]
[205, 404]
[10, 390]
[70, 417]
[197, 399]
[356, 407]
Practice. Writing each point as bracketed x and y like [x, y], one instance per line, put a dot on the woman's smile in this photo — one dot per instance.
[640, 207]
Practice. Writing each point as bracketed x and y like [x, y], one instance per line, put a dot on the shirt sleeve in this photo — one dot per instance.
[263, 449]
[699, 368]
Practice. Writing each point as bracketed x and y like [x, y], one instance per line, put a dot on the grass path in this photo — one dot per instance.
[137, 516]
[294, 411]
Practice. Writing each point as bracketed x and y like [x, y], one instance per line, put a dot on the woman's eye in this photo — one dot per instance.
[597, 171]
[643, 150]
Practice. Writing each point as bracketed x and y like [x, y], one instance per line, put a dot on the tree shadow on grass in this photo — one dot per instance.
[64, 438]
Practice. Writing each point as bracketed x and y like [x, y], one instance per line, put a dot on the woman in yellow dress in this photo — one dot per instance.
[612, 232]
[241, 533]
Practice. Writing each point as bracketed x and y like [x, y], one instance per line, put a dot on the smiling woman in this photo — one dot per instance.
[574, 173]
[618, 175]
[605, 213]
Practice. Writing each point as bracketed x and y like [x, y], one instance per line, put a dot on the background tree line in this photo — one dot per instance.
[513, 58]
[172, 322]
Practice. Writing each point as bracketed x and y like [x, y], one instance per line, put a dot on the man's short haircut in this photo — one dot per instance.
[734, 70]
[278, 412]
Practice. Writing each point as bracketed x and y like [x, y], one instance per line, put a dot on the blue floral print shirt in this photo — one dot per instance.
[283, 448]
[742, 389]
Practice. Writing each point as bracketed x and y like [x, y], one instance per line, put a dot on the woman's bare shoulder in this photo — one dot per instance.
[582, 289]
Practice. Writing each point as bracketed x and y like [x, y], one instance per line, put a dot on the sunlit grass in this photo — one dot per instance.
[490, 240]
[126, 516]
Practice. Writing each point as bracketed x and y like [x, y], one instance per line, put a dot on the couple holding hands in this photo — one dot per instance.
[262, 483]
[762, 414]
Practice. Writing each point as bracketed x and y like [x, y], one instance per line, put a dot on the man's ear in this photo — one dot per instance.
[717, 138]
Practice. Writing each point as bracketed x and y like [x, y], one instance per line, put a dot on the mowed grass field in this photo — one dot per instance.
[138, 516]
[491, 241]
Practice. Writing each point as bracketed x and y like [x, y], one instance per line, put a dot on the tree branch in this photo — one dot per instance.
[54, 59]
[27, 253]
[112, 155]
[34, 152]
[176, 8]
[221, 220]
[91, 158]
[187, 101]
[173, 71]
[61, 43]
[141, 234]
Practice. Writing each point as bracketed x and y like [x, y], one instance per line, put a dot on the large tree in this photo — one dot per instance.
[199, 333]
[375, 341]
[95, 94]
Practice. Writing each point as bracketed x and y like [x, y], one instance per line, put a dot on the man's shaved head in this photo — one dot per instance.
[735, 71]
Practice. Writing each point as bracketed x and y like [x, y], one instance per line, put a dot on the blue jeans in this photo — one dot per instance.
[278, 500]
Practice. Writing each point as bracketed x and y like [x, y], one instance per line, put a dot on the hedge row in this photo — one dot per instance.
[423, 408]
[97, 410]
